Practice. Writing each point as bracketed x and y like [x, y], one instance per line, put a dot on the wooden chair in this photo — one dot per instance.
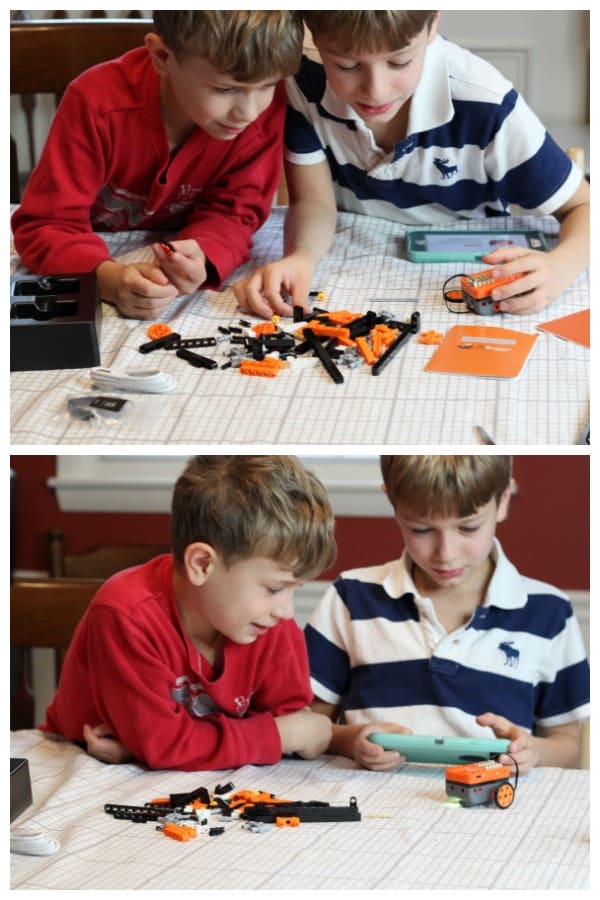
[99, 562]
[46, 54]
[44, 612]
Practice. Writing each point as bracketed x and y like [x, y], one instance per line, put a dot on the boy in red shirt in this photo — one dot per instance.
[193, 661]
[183, 134]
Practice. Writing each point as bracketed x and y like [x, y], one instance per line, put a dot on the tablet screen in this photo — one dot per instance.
[479, 243]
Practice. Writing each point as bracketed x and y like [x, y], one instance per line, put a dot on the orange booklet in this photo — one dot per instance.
[575, 327]
[483, 350]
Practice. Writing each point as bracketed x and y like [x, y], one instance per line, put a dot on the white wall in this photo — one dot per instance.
[545, 53]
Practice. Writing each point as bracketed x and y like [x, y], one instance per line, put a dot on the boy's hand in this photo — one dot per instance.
[541, 284]
[304, 732]
[372, 756]
[184, 265]
[522, 743]
[103, 745]
[261, 293]
[138, 290]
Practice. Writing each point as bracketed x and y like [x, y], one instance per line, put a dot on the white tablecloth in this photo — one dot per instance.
[365, 269]
[409, 836]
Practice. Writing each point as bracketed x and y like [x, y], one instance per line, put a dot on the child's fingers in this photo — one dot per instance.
[252, 299]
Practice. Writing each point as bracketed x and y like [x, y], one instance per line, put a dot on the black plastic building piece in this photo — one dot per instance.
[326, 361]
[189, 343]
[137, 813]
[306, 812]
[159, 343]
[200, 793]
[195, 359]
[406, 330]
[224, 788]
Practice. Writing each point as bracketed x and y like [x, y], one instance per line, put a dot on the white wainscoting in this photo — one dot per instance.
[144, 483]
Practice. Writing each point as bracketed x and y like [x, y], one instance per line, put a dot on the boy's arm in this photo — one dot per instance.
[353, 740]
[308, 231]
[559, 745]
[547, 275]
[133, 690]
[52, 227]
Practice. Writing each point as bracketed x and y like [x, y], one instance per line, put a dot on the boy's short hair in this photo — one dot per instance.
[369, 30]
[244, 506]
[249, 45]
[445, 485]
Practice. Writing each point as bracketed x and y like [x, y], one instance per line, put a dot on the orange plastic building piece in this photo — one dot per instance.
[179, 832]
[382, 336]
[158, 330]
[365, 351]
[241, 799]
[481, 284]
[430, 337]
[287, 821]
[267, 368]
[476, 773]
[264, 328]
[342, 317]
[333, 331]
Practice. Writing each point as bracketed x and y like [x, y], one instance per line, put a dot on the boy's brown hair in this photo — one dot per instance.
[249, 45]
[244, 506]
[445, 485]
[368, 30]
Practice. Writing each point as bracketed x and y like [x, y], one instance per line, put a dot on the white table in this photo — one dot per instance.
[409, 836]
[365, 269]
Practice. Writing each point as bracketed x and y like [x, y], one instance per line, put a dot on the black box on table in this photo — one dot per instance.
[20, 787]
[54, 322]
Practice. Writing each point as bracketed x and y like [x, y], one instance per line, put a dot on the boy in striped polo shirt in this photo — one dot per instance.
[396, 122]
[449, 639]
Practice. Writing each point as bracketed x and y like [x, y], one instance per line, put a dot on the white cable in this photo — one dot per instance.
[147, 382]
[32, 843]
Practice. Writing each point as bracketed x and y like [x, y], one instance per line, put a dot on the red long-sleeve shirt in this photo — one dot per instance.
[132, 666]
[106, 166]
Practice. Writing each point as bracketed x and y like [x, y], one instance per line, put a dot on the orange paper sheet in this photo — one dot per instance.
[575, 327]
[483, 350]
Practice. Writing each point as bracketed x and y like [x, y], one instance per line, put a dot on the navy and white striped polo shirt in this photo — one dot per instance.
[377, 649]
[473, 146]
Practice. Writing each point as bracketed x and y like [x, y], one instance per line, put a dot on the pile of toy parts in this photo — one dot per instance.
[183, 817]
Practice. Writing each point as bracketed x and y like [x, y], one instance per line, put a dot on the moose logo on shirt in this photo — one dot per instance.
[511, 654]
[445, 170]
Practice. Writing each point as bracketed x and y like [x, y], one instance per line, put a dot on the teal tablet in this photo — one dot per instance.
[451, 750]
[467, 246]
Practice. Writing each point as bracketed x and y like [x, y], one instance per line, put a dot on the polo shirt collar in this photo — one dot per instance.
[506, 589]
[431, 104]
[338, 108]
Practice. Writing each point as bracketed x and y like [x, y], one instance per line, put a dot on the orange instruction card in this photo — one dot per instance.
[483, 350]
[574, 327]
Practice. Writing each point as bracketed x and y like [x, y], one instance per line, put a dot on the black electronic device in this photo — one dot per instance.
[20, 787]
[54, 322]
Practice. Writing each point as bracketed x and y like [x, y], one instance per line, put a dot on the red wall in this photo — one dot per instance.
[547, 534]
